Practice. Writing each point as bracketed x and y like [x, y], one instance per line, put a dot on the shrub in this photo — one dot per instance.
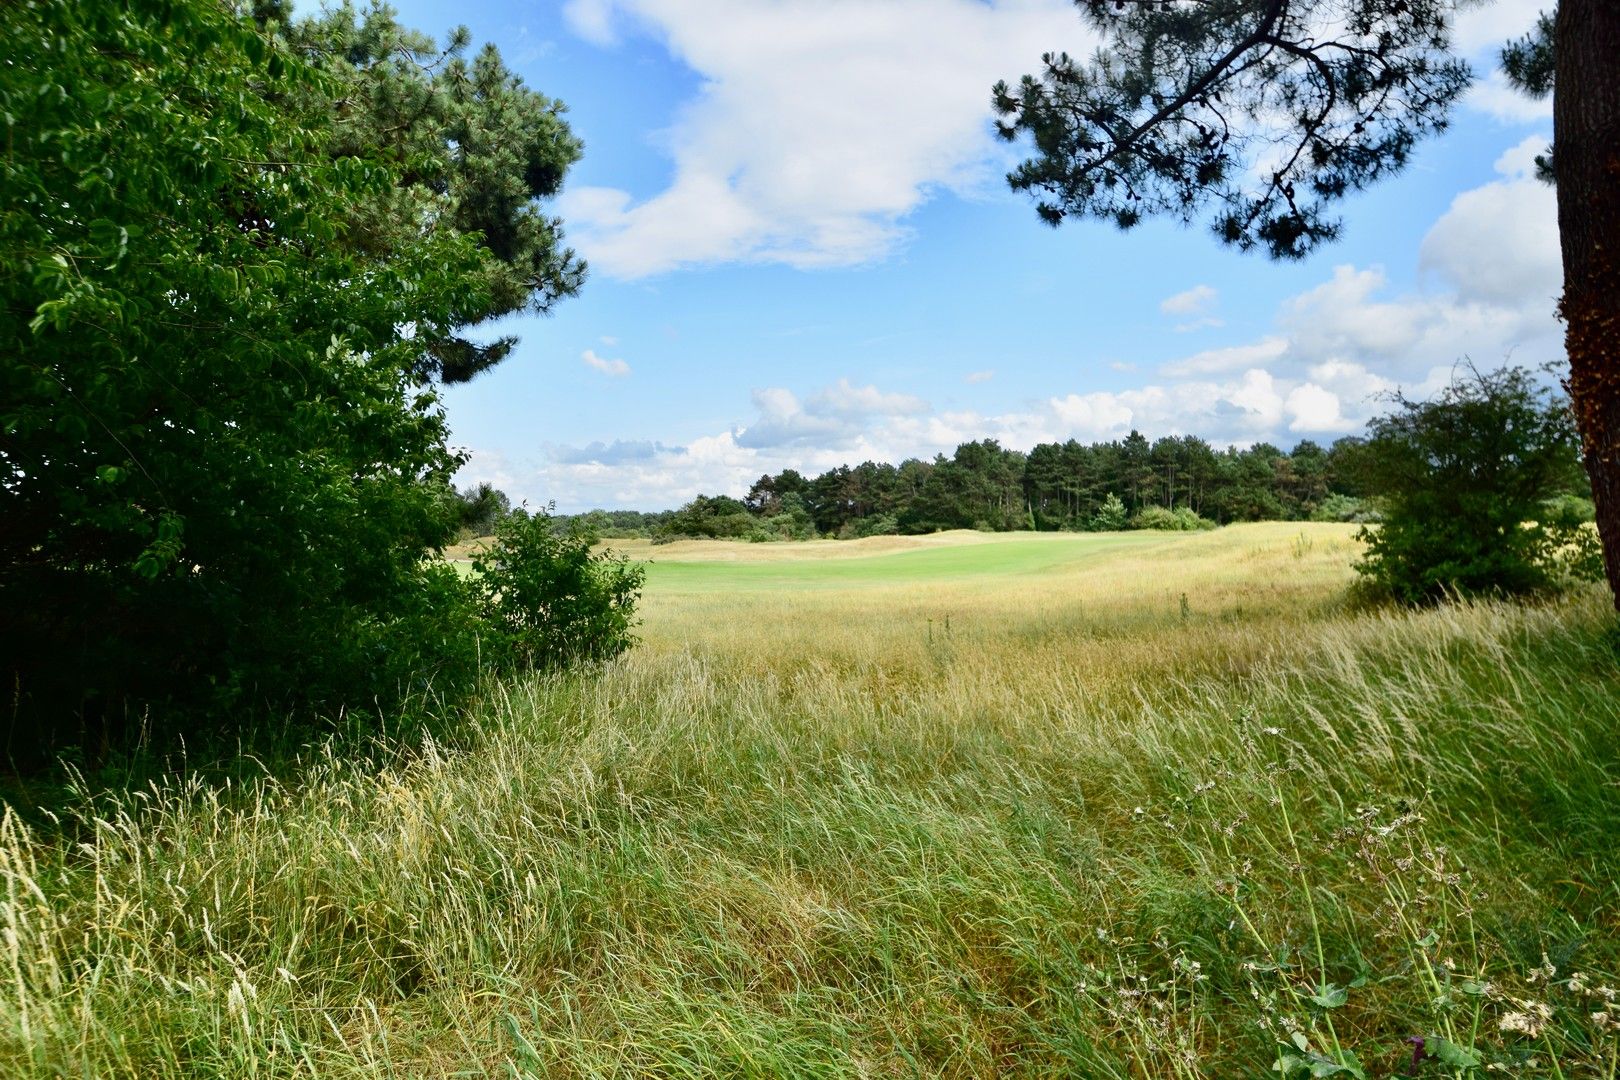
[1344, 508]
[548, 600]
[1464, 482]
[1181, 519]
[1110, 516]
[877, 525]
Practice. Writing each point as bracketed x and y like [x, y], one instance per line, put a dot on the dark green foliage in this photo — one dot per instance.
[708, 518]
[1186, 100]
[987, 486]
[1529, 64]
[549, 601]
[473, 151]
[1337, 507]
[1464, 482]
[222, 478]
[218, 475]
[1181, 519]
[1110, 516]
[479, 509]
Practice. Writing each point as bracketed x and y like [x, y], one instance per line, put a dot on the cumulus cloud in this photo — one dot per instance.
[618, 369]
[1494, 96]
[832, 417]
[845, 400]
[819, 126]
[1315, 409]
[1232, 358]
[974, 377]
[1479, 33]
[1195, 308]
[1195, 301]
[1490, 272]
[617, 452]
[1499, 243]
[1482, 29]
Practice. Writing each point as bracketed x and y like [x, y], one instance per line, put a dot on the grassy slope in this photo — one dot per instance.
[807, 830]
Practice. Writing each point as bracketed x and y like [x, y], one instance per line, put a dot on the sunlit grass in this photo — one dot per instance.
[1015, 810]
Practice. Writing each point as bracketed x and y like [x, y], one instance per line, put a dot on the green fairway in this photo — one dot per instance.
[1002, 555]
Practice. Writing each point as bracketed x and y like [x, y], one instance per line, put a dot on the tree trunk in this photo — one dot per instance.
[1586, 158]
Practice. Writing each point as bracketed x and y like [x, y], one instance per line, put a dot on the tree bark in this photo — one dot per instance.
[1586, 159]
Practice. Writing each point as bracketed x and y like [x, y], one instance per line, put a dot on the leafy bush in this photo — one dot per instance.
[1181, 519]
[718, 517]
[1344, 508]
[1570, 547]
[1464, 481]
[548, 600]
[220, 475]
[876, 525]
[1110, 516]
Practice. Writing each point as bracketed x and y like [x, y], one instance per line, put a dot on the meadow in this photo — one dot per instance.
[969, 805]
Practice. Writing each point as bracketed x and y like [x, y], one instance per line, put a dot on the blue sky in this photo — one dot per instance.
[803, 253]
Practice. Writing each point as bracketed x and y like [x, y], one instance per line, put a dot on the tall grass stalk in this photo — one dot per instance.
[1086, 835]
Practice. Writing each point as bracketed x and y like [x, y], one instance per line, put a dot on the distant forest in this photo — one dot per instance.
[1179, 482]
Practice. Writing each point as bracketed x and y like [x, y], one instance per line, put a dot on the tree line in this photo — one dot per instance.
[1478, 491]
[1171, 482]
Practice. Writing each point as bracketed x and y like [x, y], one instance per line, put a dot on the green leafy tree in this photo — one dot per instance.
[474, 153]
[1464, 481]
[550, 600]
[717, 517]
[219, 474]
[1261, 114]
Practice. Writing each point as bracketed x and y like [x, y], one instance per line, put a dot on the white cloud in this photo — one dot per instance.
[1499, 243]
[1097, 415]
[843, 399]
[1195, 301]
[832, 417]
[1483, 28]
[1196, 306]
[1233, 358]
[1350, 382]
[1313, 409]
[1490, 273]
[819, 126]
[592, 21]
[974, 377]
[615, 368]
[1494, 96]
[1479, 33]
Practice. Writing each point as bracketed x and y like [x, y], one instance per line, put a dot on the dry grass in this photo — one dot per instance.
[807, 830]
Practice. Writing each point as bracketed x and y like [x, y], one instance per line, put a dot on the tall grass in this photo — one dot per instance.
[1086, 831]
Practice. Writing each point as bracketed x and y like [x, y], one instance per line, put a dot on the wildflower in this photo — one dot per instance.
[1530, 1022]
[1418, 1053]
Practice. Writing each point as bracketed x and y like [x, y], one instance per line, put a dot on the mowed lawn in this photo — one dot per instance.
[1127, 805]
